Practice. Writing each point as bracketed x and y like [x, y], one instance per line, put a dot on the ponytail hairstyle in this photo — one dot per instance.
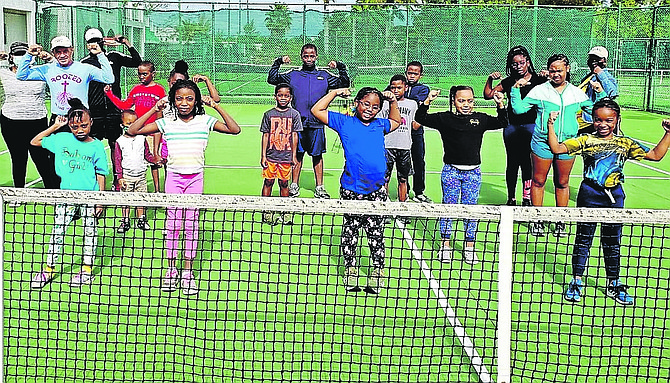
[452, 93]
[609, 103]
[516, 51]
[560, 57]
[179, 84]
[180, 67]
[77, 110]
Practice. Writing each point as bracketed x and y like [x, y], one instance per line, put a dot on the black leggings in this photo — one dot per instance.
[517, 146]
[17, 135]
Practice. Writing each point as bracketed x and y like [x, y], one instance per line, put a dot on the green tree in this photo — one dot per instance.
[278, 21]
[194, 31]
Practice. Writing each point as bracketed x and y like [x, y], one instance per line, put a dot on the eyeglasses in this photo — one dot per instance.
[519, 64]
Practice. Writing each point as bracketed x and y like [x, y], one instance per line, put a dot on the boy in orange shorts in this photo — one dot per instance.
[280, 127]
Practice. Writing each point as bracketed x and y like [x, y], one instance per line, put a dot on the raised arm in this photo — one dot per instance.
[213, 93]
[489, 89]
[659, 151]
[104, 74]
[276, 78]
[60, 122]
[132, 61]
[25, 71]
[520, 105]
[555, 146]
[320, 109]
[121, 104]
[340, 81]
[422, 117]
[139, 127]
[228, 125]
[394, 113]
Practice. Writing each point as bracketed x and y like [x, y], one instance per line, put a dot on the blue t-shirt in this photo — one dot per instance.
[364, 152]
[77, 162]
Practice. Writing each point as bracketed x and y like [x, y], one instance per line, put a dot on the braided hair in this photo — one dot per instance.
[188, 84]
[518, 50]
[560, 57]
[452, 93]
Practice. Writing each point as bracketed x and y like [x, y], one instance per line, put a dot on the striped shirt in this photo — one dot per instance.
[187, 142]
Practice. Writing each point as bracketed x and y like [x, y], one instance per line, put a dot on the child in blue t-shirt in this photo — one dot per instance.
[604, 156]
[81, 163]
[364, 175]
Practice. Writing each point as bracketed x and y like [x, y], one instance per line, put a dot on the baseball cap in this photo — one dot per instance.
[599, 51]
[18, 48]
[92, 34]
[60, 41]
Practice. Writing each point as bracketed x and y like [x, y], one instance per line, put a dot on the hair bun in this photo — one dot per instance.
[75, 103]
[181, 67]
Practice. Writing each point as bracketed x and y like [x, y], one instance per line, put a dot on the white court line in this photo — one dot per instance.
[248, 82]
[463, 337]
[4, 152]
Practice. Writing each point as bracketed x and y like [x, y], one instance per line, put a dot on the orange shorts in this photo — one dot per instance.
[277, 171]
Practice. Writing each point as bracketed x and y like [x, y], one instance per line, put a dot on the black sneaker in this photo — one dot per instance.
[143, 224]
[511, 202]
[560, 230]
[526, 202]
[537, 229]
[123, 226]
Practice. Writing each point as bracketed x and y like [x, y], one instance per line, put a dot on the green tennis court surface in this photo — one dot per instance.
[272, 306]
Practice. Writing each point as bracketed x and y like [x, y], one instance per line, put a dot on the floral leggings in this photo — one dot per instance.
[466, 185]
[373, 225]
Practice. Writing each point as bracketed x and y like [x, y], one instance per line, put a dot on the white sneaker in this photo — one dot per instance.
[470, 256]
[445, 254]
[293, 190]
[320, 192]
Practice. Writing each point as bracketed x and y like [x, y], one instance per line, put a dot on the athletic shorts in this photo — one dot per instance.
[540, 148]
[312, 141]
[136, 184]
[277, 171]
[402, 158]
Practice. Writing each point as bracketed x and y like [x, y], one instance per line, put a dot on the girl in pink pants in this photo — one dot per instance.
[186, 135]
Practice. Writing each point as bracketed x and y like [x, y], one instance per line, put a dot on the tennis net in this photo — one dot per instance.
[272, 304]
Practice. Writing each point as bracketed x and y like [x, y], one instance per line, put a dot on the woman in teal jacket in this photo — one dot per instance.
[557, 94]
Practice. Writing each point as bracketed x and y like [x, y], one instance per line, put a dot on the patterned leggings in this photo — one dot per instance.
[64, 215]
[373, 225]
[466, 185]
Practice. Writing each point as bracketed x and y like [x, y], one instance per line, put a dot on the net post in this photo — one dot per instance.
[2, 288]
[506, 231]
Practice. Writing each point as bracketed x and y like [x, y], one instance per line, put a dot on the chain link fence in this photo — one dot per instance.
[235, 43]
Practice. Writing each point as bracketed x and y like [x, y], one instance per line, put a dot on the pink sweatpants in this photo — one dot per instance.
[178, 218]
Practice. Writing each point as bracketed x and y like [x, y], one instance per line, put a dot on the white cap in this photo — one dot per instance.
[600, 52]
[92, 33]
[61, 41]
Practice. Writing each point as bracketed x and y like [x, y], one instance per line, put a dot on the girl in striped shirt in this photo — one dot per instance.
[187, 137]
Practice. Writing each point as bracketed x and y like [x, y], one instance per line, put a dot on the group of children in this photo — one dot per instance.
[376, 138]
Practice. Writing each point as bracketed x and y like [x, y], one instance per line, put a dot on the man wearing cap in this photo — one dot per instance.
[106, 116]
[598, 79]
[66, 78]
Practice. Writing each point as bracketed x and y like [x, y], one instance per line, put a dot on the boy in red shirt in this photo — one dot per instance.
[144, 96]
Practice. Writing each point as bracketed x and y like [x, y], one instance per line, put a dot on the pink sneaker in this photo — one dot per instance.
[40, 280]
[82, 278]
[170, 280]
[188, 285]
